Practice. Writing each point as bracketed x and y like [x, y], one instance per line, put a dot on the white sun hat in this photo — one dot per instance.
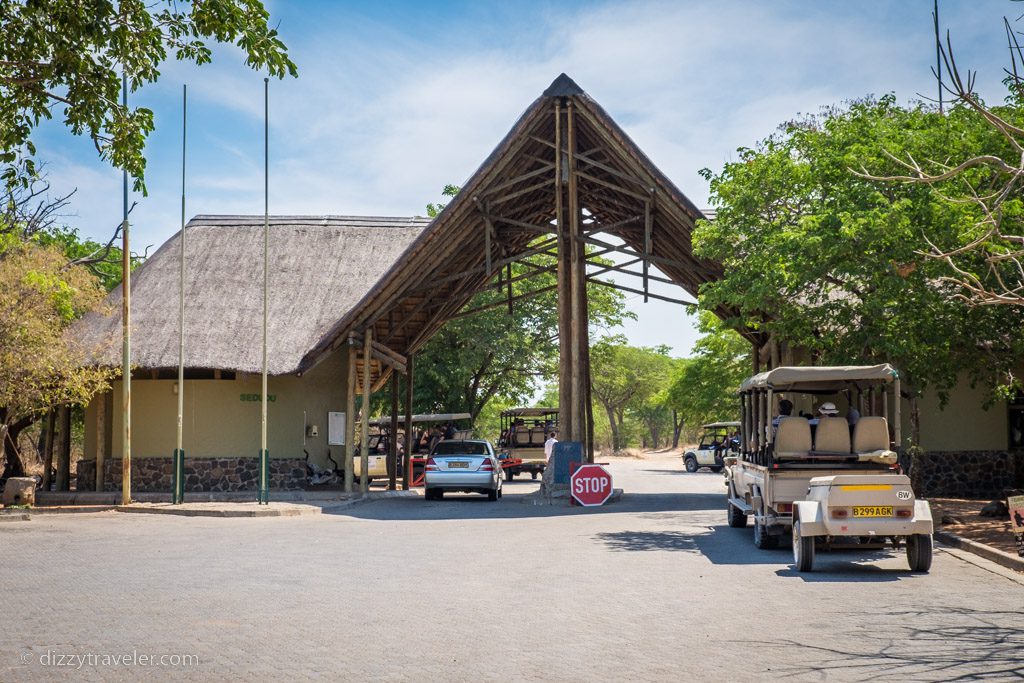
[828, 408]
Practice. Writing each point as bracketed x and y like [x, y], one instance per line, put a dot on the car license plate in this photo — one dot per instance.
[872, 511]
[457, 464]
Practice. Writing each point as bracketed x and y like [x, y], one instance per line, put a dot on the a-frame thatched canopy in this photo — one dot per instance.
[507, 211]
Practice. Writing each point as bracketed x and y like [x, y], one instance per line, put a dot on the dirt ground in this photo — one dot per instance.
[987, 530]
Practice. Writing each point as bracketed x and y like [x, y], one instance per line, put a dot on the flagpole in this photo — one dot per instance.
[126, 333]
[178, 467]
[264, 484]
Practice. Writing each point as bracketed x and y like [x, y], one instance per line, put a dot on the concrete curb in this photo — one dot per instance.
[19, 516]
[564, 499]
[1000, 557]
[296, 511]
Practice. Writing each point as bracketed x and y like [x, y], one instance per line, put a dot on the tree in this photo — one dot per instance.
[625, 377]
[704, 388]
[494, 354]
[40, 295]
[832, 262]
[73, 54]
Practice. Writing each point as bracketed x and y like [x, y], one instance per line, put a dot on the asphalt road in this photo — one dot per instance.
[655, 587]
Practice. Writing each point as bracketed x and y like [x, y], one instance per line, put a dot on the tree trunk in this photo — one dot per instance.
[677, 429]
[619, 430]
[614, 427]
[64, 451]
[51, 429]
[915, 420]
[13, 465]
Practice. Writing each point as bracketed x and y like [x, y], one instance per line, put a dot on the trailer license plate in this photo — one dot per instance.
[462, 464]
[872, 511]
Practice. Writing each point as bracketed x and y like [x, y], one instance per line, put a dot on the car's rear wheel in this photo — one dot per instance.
[430, 494]
[803, 550]
[737, 520]
[492, 495]
[691, 464]
[919, 553]
[762, 539]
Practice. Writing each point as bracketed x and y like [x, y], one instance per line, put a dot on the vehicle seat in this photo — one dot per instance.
[871, 440]
[521, 435]
[832, 435]
[793, 439]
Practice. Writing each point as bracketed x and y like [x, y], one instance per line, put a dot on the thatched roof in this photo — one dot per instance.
[320, 267]
[514, 188]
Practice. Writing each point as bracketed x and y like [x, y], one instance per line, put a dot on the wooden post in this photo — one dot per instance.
[393, 437]
[350, 418]
[565, 340]
[410, 442]
[578, 290]
[51, 428]
[364, 413]
[64, 452]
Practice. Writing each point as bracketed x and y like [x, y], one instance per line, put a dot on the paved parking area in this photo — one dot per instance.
[655, 587]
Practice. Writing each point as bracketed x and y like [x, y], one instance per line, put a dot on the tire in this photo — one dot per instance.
[533, 475]
[803, 550]
[762, 540]
[509, 475]
[492, 495]
[716, 469]
[737, 520]
[691, 464]
[919, 553]
[430, 494]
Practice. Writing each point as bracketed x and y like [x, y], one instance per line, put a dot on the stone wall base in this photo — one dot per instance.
[153, 475]
[966, 474]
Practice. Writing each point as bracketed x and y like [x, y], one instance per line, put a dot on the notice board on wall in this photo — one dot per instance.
[335, 429]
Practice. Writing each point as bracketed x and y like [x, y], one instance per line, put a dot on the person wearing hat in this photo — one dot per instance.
[828, 409]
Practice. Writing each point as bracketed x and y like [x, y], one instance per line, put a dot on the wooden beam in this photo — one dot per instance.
[647, 245]
[498, 304]
[519, 193]
[393, 436]
[615, 285]
[565, 404]
[350, 416]
[364, 415]
[409, 441]
[515, 181]
[578, 289]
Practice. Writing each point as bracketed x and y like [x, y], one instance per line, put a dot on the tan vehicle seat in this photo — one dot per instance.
[832, 435]
[871, 440]
[521, 435]
[793, 439]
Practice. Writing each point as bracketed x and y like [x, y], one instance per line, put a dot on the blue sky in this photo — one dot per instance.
[396, 99]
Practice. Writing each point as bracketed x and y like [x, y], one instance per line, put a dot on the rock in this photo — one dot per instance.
[19, 491]
[996, 508]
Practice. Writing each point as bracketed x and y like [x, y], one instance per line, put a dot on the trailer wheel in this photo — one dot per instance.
[509, 475]
[737, 520]
[762, 540]
[533, 475]
[803, 550]
[919, 553]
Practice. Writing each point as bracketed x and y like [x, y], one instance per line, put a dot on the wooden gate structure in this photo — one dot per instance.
[565, 181]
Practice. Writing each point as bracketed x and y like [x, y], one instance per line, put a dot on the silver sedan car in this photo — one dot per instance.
[463, 465]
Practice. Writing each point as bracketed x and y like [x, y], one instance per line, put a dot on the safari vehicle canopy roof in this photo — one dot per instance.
[721, 425]
[823, 379]
[434, 417]
[529, 412]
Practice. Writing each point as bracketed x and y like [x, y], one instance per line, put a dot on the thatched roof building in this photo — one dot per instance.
[320, 267]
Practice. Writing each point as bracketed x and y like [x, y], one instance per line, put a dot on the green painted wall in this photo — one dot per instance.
[218, 423]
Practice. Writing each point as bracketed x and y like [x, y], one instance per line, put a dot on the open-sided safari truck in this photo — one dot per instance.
[829, 480]
[716, 442]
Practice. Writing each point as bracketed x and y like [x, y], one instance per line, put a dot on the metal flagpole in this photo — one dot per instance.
[178, 494]
[264, 483]
[126, 334]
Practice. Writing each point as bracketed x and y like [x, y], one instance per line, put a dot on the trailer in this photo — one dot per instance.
[521, 444]
[828, 481]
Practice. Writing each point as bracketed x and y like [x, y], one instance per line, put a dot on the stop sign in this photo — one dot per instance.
[590, 485]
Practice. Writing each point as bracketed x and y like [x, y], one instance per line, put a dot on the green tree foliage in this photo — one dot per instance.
[40, 296]
[625, 378]
[73, 53]
[495, 354]
[834, 262]
[704, 387]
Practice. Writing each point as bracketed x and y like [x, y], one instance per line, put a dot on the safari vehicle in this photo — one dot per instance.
[716, 442]
[827, 483]
[521, 445]
[381, 426]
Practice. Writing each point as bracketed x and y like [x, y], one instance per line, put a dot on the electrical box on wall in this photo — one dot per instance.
[335, 429]
[312, 431]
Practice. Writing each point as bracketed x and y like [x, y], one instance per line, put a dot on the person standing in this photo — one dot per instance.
[549, 446]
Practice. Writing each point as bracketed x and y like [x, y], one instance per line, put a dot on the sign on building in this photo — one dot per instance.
[335, 429]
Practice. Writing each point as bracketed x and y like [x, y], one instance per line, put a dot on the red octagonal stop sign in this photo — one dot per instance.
[590, 485]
